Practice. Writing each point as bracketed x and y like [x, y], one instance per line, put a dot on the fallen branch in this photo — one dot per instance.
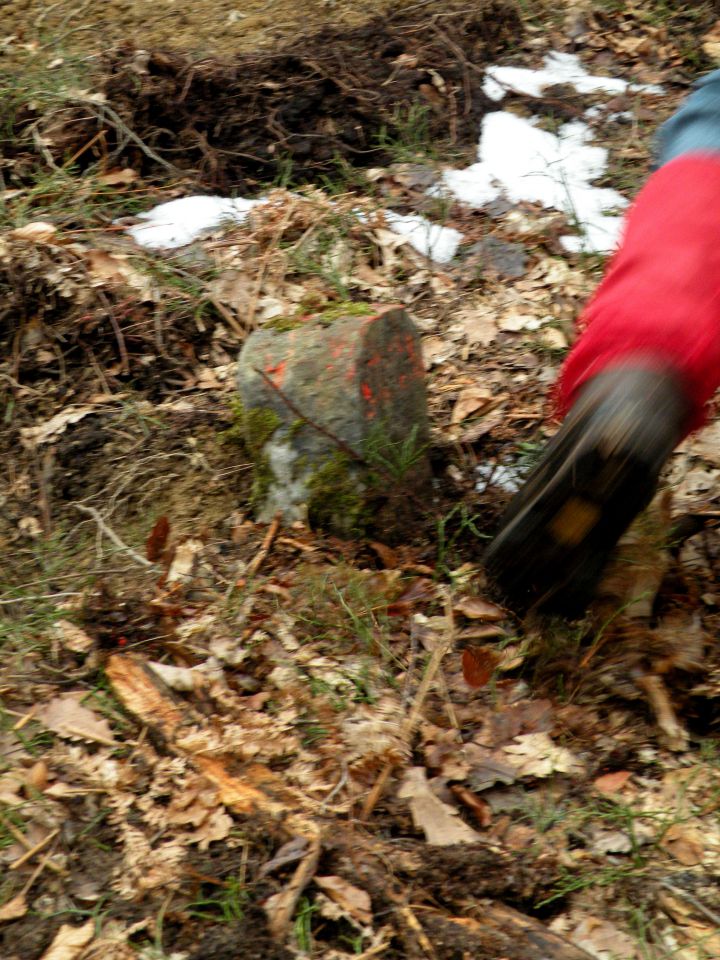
[280, 908]
[413, 718]
[262, 553]
[29, 854]
[111, 535]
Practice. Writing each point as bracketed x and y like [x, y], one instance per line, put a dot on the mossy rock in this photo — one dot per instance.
[323, 315]
[335, 417]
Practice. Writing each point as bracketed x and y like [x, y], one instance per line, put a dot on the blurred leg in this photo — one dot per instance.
[637, 380]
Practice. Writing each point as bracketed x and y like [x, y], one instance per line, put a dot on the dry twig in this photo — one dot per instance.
[413, 718]
[262, 553]
[111, 535]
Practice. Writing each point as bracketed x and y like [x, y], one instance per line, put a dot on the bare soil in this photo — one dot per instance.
[306, 108]
[217, 29]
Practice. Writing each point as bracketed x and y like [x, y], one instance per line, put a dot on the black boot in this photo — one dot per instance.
[598, 472]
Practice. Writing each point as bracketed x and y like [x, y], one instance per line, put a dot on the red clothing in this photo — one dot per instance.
[659, 303]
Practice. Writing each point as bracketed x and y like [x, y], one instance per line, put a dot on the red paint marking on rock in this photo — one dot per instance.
[276, 372]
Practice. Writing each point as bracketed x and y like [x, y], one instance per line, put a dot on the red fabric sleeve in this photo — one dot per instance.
[659, 303]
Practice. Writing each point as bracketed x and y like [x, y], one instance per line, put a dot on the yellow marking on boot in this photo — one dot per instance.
[574, 521]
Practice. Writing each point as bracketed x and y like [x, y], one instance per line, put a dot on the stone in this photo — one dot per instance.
[507, 260]
[334, 415]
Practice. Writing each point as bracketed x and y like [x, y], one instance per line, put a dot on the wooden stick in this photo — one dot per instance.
[33, 850]
[111, 535]
[284, 903]
[262, 553]
[24, 718]
[408, 729]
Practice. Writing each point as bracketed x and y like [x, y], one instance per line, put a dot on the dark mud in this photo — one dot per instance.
[338, 97]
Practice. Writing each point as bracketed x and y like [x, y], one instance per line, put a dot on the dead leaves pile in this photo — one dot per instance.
[327, 738]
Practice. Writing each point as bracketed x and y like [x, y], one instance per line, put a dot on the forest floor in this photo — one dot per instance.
[224, 739]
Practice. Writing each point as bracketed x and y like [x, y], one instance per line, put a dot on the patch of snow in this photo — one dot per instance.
[516, 159]
[179, 222]
[559, 68]
[523, 162]
[430, 239]
[287, 493]
[507, 478]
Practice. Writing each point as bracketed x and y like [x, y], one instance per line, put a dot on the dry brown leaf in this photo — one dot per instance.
[118, 178]
[711, 42]
[436, 350]
[30, 527]
[70, 941]
[612, 782]
[289, 852]
[439, 821]
[17, 907]
[603, 939]
[184, 679]
[185, 560]
[478, 665]
[478, 325]
[516, 322]
[107, 267]
[44, 432]
[66, 716]
[535, 755]
[705, 443]
[352, 900]
[234, 288]
[475, 608]
[553, 338]
[73, 637]
[388, 556]
[471, 400]
[144, 695]
[478, 633]
[611, 841]
[11, 784]
[38, 231]
[685, 844]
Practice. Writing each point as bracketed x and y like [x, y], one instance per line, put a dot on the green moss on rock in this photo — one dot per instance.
[283, 324]
[345, 308]
[258, 425]
[325, 314]
[335, 497]
[235, 433]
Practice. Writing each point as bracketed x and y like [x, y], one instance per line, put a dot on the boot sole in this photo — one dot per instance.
[597, 474]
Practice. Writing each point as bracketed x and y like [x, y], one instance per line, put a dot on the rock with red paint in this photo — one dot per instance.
[335, 418]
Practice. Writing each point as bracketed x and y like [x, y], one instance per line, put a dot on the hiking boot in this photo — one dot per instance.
[598, 472]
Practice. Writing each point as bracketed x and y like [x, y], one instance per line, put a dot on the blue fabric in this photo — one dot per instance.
[695, 128]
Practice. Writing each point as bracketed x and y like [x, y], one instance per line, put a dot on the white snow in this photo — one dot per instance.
[507, 478]
[516, 159]
[560, 68]
[522, 162]
[432, 240]
[179, 222]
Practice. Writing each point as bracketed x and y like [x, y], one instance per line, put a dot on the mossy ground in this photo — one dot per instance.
[324, 315]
